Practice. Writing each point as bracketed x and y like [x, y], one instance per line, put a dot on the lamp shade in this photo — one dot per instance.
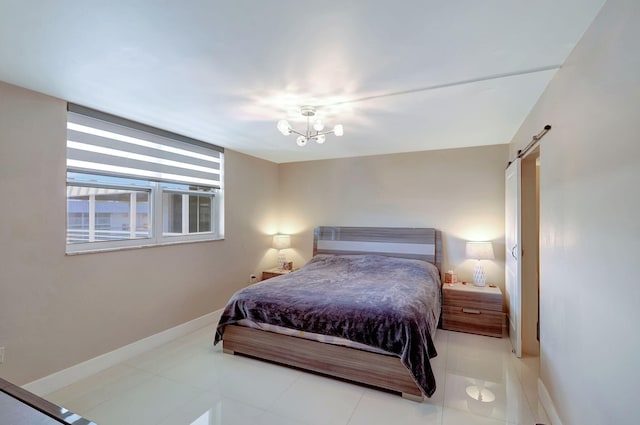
[480, 250]
[281, 241]
[284, 128]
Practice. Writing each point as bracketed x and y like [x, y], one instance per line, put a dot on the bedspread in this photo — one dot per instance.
[389, 303]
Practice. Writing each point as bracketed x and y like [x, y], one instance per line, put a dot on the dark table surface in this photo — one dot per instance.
[19, 406]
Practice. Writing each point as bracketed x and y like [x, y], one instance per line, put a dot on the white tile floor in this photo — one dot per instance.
[189, 382]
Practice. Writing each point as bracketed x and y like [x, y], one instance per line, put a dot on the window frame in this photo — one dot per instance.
[185, 237]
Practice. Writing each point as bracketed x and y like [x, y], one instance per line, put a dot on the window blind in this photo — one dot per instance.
[100, 143]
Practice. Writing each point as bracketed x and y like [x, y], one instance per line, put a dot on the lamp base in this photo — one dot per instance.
[479, 277]
[282, 260]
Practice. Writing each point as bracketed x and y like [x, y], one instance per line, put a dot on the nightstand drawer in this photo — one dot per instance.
[472, 320]
[472, 298]
[268, 274]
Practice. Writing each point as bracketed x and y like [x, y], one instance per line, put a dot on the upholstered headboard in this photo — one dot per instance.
[404, 242]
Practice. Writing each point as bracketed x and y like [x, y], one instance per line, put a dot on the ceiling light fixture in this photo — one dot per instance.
[319, 136]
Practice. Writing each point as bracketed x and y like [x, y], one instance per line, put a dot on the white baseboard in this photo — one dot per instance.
[61, 379]
[547, 403]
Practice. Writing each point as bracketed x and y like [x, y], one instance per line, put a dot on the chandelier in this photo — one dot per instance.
[319, 136]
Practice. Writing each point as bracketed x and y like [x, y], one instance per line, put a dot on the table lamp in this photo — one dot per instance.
[479, 251]
[281, 242]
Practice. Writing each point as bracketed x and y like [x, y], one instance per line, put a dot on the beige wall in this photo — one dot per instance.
[589, 226]
[459, 191]
[57, 310]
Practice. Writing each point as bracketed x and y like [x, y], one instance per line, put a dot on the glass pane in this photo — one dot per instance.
[77, 219]
[197, 213]
[143, 218]
[172, 213]
[111, 210]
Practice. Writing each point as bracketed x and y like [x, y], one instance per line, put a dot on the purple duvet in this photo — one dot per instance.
[388, 303]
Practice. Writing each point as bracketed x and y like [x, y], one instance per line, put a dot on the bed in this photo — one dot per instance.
[364, 308]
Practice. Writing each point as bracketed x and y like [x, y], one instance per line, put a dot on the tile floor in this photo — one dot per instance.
[189, 382]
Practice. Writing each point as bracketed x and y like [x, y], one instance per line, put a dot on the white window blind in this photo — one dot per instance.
[100, 143]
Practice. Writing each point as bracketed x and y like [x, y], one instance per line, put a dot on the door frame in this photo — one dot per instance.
[513, 253]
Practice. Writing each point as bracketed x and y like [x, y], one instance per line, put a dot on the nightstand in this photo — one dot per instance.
[268, 274]
[472, 309]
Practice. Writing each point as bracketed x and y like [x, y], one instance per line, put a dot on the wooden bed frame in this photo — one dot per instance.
[378, 370]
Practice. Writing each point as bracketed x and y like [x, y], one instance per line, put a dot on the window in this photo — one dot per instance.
[133, 185]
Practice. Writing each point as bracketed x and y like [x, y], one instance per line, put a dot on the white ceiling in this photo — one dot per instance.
[400, 76]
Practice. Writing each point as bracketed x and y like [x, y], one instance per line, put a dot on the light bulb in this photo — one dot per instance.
[321, 139]
[301, 141]
[284, 128]
[338, 130]
[318, 125]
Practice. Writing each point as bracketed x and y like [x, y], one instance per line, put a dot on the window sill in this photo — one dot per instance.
[142, 246]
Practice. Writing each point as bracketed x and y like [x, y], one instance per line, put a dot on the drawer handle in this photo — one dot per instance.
[470, 311]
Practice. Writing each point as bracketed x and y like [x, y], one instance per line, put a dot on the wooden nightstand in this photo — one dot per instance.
[472, 309]
[268, 274]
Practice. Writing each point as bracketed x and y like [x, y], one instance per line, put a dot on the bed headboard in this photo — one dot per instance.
[404, 242]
